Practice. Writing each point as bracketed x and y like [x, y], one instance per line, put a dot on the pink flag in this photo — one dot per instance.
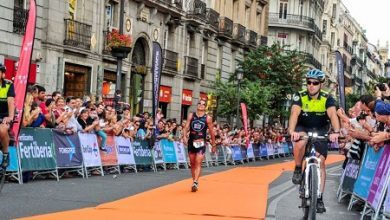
[245, 123]
[21, 77]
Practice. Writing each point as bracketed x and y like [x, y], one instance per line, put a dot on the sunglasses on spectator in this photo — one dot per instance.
[315, 83]
[204, 104]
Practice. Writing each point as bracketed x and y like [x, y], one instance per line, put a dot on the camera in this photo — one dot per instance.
[381, 86]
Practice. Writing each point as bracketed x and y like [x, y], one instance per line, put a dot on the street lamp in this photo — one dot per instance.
[240, 73]
[387, 69]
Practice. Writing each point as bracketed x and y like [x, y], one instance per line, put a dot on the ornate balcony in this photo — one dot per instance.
[348, 48]
[77, 34]
[20, 20]
[197, 12]
[252, 38]
[170, 61]
[172, 7]
[239, 33]
[212, 17]
[263, 40]
[312, 60]
[225, 29]
[291, 21]
[317, 32]
[191, 67]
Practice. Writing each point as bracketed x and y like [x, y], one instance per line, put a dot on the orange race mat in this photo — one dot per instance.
[239, 193]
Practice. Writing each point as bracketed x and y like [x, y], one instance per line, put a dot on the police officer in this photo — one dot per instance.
[7, 110]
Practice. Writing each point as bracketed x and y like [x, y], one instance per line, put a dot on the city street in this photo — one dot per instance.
[48, 196]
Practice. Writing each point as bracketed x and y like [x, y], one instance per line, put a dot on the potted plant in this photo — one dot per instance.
[118, 44]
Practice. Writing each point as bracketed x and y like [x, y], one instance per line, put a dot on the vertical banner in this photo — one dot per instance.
[156, 71]
[378, 186]
[245, 123]
[168, 150]
[36, 149]
[367, 172]
[340, 79]
[68, 151]
[90, 150]
[109, 157]
[23, 70]
[125, 151]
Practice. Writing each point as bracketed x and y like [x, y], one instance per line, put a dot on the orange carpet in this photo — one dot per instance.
[239, 193]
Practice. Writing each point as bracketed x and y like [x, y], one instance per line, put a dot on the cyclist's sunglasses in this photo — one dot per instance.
[315, 83]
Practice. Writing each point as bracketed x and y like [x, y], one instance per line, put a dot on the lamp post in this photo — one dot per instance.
[119, 59]
[240, 74]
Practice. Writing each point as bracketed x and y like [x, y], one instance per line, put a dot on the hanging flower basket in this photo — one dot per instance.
[118, 44]
[120, 51]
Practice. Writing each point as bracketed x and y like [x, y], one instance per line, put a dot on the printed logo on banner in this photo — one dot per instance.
[181, 157]
[350, 176]
[367, 172]
[89, 150]
[109, 157]
[168, 150]
[249, 152]
[66, 152]
[386, 204]
[158, 153]
[125, 151]
[237, 153]
[263, 149]
[142, 153]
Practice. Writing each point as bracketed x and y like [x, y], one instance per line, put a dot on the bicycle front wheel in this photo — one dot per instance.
[313, 187]
[2, 178]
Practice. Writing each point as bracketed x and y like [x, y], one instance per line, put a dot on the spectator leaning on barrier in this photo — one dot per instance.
[51, 120]
[382, 114]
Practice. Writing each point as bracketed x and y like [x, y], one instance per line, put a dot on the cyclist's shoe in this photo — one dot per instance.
[297, 177]
[320, 206]
[5, 161]
[194, 187]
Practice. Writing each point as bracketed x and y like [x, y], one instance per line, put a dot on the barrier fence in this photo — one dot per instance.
[50, 151]
[368, 181]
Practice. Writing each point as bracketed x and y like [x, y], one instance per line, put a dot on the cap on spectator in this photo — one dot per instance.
[382, 108]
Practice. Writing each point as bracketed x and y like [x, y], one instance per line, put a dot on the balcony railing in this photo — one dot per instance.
[170, 60]
[197, 10]
[291, 20]
[77, 34]
[20, 20]
[313, 61]
[225, 27]
[348, 48]
[252, 38]
[212, 18]
[263, 40]
[317, 31]
[239, 33]
[191, 67]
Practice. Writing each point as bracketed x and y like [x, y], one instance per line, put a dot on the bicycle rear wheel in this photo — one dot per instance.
[313, 187]
[2, 178]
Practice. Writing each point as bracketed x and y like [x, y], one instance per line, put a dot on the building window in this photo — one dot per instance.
[282, 38]
[324, 27]
[111, 14]
[258, 22]
[236, 9]
[332, 39]
[283, 9]
[247, 16]
[334, 10]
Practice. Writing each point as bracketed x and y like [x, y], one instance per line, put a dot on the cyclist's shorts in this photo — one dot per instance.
[193, 150]
[322, 145]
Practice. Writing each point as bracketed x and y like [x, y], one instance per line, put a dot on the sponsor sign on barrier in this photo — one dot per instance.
[125, 151]
[263, 150]
[109, 157]
[90, 150]
[280, 149]
[168, 150]
[243, 152]
[256, 150]
[386, 204]
[13, 159]
[270, 149]
[351, 175]
[236, 153]
[142, 153]
[377, 188]
[367, 172]
[249, 152]
[158, 153]
[36, 149]
[180, 152]
[221, 154]
[285, 148]
[68, 151]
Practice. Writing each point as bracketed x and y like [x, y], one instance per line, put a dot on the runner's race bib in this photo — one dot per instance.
[198, 144]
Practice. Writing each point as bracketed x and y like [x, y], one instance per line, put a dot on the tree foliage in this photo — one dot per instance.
[270, 74]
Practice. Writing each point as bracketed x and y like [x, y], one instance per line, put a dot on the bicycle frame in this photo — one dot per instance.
[311, 161]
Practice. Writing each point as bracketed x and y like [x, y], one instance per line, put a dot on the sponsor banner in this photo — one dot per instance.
[36, 149]
[109, 157]
[263, 150]
[142, 153]
[245, 123]
[256, 150]
[168, 150]
[285, 148]
[13, 159]
[270, 149]
[340, 79]
[381, 176]
[386, 204]
[90, 150]
[243, 152]
[351, 173]
[180, 152]
[156, 71]
[280, 149]
[367, 172]
[250, 153]
[125, 151]
[158, 153]
[68, 151]
[236, 153]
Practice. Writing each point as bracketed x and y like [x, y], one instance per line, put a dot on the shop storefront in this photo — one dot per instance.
[12, 66]
[165, 99]
[108, 90]
[186, 103]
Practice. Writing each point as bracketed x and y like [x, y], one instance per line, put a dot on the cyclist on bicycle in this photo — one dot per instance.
[311, 110]
[7, 110]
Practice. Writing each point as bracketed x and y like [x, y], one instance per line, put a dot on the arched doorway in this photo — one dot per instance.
[138, 74]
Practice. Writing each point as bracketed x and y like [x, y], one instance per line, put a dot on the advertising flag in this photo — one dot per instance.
[245, 123]
[22, 73]
[340, 79]
[156, 71]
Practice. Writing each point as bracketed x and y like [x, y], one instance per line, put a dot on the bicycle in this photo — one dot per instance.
[309, 189]
[3, 171]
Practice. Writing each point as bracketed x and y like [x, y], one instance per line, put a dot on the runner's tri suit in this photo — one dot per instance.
[198, 134]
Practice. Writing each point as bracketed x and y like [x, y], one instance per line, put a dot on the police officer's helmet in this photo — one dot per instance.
[316, 74]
